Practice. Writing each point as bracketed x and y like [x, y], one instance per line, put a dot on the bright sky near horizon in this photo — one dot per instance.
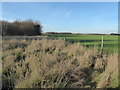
[75, 17]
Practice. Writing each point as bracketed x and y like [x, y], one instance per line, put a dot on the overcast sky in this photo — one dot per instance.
[76, 17]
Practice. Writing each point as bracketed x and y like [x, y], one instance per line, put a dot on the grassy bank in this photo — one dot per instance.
[57, 64]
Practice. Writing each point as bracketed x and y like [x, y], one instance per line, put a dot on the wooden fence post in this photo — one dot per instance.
[102, 45]
[58, 37]
[64, 37]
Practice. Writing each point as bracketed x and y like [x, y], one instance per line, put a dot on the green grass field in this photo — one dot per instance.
[110, 41]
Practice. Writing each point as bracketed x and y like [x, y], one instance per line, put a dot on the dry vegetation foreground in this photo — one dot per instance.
[56, 64]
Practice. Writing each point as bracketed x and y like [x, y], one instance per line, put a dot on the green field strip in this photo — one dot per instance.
[110, 42]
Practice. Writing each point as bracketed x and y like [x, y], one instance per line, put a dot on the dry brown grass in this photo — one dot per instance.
[56, 64]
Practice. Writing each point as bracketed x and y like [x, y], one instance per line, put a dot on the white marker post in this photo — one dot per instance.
[102, 45]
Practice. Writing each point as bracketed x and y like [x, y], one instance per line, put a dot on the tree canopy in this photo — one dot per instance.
[27, 27]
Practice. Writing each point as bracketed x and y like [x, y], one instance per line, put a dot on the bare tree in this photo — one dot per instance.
[4, 27]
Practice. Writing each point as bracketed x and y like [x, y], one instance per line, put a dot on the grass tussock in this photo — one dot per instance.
[56, 64]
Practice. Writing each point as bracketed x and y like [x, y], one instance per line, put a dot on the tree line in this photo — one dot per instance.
[16, 28]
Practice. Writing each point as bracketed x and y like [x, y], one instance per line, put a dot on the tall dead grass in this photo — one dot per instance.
[56, 64]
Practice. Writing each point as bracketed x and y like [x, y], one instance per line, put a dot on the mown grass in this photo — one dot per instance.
[110, 41]
[57, 64]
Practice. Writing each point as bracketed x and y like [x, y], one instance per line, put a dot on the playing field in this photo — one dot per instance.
[110, 42]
